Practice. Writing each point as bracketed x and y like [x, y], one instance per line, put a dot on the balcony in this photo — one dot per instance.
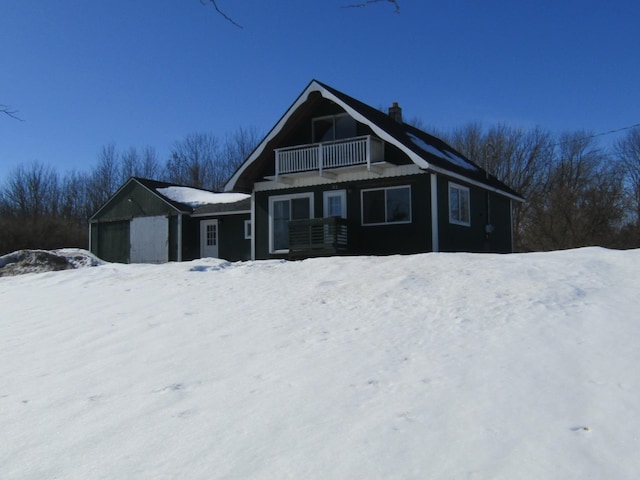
[319, 157]
[317, 236]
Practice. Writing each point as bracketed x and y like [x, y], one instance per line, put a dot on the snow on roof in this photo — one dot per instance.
[195, 197]
[445, 155]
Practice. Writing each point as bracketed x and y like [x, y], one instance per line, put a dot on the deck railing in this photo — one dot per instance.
[317, 236]
[363, 150]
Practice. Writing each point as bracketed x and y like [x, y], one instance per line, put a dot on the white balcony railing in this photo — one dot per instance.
[321, 156]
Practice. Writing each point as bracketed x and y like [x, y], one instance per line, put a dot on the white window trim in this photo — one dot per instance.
[459, 187]
[279, 198]
[325, 117]
[325, 201]
[247, 229]
[395, 187]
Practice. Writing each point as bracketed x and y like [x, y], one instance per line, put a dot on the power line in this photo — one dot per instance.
[595, 135]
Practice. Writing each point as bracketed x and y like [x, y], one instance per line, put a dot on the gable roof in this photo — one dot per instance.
[426, 151]
[187, 200]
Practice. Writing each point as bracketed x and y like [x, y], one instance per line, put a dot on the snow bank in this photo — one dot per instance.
[38, 261]
[438, 366]
[195, 197]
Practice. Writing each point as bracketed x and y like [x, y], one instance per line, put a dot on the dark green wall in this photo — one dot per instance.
[110, 226]
[407, 238]
[232, 244]
[473, 238]
[133, 200]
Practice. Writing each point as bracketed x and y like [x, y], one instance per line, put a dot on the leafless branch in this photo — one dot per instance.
[224, 15]
[12, 113]
[368, 2]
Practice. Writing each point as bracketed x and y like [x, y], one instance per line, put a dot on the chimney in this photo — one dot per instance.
[395, 112]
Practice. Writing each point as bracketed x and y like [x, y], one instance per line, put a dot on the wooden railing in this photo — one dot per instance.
[317, 236]
[320, 156]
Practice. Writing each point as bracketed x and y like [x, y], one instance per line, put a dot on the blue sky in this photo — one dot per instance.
[84, 73]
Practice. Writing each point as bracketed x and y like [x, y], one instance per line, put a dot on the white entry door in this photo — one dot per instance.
[149, 240]
[209, 238]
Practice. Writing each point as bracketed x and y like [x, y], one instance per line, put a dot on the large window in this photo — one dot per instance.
[386, 205]
[282, 209]
[459, 205]
[334, 127]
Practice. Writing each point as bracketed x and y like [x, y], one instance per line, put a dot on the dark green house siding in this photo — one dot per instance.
[474, 238]
[110, 228]
[392, 238]
[232, 245]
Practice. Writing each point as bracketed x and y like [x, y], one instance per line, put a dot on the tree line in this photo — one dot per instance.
[43, 209]
[577, 193]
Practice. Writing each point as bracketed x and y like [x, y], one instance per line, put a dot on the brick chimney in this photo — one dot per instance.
[395, 112]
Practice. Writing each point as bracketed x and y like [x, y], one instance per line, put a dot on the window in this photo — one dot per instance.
[334, 127]
[335, 203]
[247, 229]
[212, 235]
[282, 209]
[459, 205]
[386, 205]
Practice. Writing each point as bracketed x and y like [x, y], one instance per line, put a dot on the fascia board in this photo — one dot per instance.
[132, 179]
[381, 133]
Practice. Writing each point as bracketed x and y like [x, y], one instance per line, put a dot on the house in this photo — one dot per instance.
[336, 176]
[147, 221]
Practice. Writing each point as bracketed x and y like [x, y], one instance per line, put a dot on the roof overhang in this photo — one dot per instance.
[123, 186]
[316, 86]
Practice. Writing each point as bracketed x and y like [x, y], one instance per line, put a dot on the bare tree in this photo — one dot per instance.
[238, 146]
[105, 177]
[32, 192]
[195, 161]
[582, 202]
[628, 152]
[396, 4]
[8, 111]
[520, 158]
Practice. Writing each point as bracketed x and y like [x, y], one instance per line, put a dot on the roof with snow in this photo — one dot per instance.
[426, 151]
[196, 200]
[190, 200]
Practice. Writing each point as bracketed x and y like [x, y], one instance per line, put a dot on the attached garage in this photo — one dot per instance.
[148, 221]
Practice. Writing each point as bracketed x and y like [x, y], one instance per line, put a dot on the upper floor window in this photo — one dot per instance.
[459, 205]
[333, 127]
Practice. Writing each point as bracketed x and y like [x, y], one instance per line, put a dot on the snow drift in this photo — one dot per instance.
[435, 366]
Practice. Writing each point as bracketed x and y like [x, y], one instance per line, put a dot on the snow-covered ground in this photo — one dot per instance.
[435, 366]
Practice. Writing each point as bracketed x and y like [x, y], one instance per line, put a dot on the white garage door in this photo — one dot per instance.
[149, 240]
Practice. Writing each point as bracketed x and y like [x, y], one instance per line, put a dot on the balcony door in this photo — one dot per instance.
[283, 208]
[333, 127]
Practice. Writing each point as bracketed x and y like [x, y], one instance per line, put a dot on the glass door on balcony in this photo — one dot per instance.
[333, 127]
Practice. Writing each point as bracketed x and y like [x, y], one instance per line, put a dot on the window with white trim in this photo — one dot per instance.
[459, 205]
[333, 127]
[382, 206]
[283, 208]
[247, 229]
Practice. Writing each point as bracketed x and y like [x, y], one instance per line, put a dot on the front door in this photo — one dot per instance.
[209, 237]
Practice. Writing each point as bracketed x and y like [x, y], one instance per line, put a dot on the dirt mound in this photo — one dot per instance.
[38, 261]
